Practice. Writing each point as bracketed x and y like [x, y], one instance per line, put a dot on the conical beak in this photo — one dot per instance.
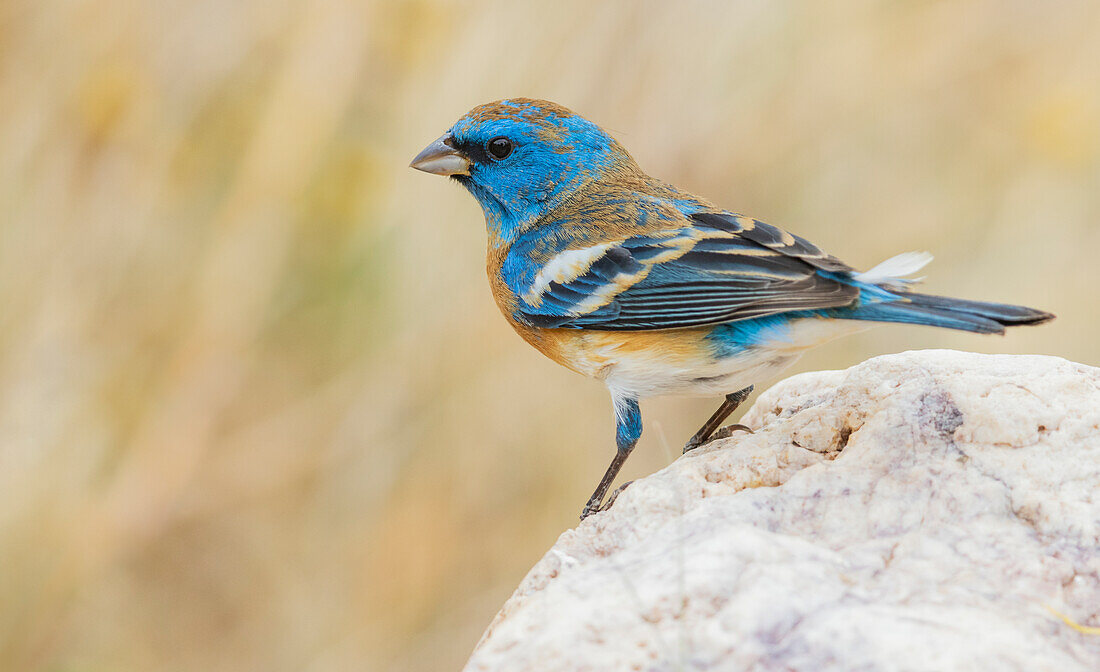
[442, 158]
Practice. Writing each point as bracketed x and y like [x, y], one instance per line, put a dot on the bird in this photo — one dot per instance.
[651, 289]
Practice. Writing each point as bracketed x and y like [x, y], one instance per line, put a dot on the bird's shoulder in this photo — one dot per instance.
[598, 216]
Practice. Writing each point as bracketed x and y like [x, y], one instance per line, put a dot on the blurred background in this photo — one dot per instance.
[257, 408]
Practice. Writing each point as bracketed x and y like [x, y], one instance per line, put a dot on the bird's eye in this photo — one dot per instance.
[499, 148]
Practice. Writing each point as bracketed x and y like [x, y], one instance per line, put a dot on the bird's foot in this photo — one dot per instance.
[594, 506]
[693, 444]
[614, 496]
[728, 430]
[590, 508]
[710, 430]
[720, 433]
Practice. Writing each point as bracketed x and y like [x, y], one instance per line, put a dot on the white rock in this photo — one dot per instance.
[921, 511]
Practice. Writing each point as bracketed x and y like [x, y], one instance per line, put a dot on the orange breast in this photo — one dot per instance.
[597, 353]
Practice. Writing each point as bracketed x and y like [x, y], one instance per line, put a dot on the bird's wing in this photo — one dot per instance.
[718, 268]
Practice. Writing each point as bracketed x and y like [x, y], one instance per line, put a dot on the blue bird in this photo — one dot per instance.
[653, 290]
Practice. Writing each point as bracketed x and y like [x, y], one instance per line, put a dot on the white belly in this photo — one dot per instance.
[639, 378]
[659, 369]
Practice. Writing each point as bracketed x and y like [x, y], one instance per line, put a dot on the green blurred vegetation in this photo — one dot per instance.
[259, 411]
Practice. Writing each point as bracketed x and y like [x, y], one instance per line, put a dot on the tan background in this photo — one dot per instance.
[257, 409]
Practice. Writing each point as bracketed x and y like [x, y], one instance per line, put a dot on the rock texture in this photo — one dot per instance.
[921, 511]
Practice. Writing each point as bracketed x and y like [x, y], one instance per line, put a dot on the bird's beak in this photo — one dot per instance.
[442, 158]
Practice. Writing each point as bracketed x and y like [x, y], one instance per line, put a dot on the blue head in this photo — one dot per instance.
[522, 157]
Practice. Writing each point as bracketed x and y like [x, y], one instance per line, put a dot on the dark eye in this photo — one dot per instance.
[499, 148]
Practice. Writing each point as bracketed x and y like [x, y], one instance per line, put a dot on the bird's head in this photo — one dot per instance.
[522, 157]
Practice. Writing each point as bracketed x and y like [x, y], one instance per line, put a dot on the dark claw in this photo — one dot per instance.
[721, 433]
[614, 496]
[728, 430]
[596, 507]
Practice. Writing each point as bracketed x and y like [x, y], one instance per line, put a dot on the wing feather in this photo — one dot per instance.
[721, 269]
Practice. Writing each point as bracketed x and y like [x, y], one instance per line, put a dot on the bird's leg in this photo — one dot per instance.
[596, 499]
[729, 405]
[628, 427]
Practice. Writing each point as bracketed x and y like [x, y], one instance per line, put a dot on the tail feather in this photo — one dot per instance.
[1006, 314]
[941, 311]
[889, 300]
[891, 273]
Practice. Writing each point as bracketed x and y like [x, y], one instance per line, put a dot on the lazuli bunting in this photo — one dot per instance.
[653, 290]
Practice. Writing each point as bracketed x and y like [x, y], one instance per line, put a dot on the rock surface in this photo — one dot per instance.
[920, 511]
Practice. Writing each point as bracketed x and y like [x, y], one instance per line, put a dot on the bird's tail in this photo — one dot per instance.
[940, 311]
[937, 311]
